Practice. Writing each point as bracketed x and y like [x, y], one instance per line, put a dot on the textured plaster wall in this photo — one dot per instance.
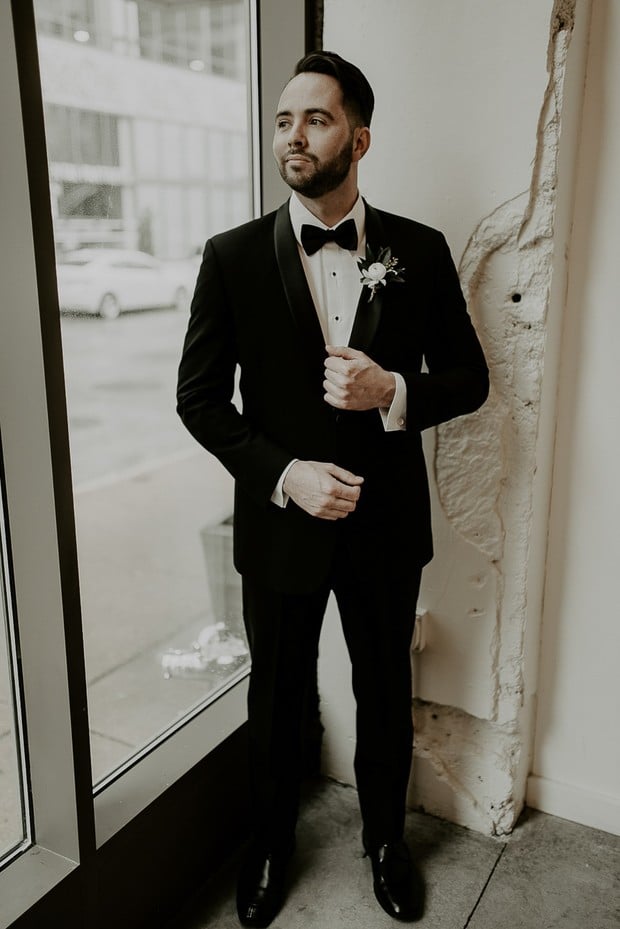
[466, 138]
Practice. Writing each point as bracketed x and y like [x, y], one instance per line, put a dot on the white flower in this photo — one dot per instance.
[376, 272]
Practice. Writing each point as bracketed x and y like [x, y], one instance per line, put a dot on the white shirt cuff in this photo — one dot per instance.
[278, 496]
[395, 418]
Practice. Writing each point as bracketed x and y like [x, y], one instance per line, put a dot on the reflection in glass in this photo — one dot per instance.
[12, 807]
[149, 156]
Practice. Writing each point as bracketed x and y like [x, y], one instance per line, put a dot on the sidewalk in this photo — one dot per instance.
[155, 562]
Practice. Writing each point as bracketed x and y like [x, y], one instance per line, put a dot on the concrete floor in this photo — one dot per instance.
[549, 873]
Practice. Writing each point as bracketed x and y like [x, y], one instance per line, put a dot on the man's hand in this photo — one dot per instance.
[353, 381]
[323, 490]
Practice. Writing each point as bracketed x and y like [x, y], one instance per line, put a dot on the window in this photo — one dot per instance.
[160, 601]
[81, 137]
[92, 200]
[206, 36]
[117, 591]
[69, 19]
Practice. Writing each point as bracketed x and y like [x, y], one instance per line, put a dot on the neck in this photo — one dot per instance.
[331, 208]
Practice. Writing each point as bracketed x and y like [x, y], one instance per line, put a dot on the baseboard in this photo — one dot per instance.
[577, 804]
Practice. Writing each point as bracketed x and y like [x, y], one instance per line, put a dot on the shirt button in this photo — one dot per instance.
[400, 421]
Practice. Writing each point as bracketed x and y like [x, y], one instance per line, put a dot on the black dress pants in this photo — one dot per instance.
[377, 611]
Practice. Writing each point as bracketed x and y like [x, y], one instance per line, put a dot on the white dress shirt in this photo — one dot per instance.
[333, 277]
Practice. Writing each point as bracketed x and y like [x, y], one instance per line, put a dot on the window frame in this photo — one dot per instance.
[41, 609]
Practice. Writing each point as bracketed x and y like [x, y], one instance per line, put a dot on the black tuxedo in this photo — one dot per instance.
[252, 307]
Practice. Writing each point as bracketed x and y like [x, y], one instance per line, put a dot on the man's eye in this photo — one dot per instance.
[315, 121]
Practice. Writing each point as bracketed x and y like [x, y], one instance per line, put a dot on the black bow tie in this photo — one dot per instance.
[313, 237]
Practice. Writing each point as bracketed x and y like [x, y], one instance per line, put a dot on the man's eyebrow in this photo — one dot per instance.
[309, 111]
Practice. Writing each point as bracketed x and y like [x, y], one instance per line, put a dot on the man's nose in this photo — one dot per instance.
[296, 137]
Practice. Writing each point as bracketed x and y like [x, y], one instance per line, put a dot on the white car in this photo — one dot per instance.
[108, 281]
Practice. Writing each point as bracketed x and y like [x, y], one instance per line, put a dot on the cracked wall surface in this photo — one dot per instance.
[475, 144]
[447, 773]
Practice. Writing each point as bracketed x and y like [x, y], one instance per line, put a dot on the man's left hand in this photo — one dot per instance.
[353, 381]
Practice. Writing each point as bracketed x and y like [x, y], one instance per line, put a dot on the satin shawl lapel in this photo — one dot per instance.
[295, 284]
[368, 313]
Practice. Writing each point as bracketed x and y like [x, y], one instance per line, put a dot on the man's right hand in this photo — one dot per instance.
[323, 490]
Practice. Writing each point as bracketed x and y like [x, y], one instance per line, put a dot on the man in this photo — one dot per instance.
[331, 490]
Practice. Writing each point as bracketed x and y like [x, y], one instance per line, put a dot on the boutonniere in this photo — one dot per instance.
[378, 271]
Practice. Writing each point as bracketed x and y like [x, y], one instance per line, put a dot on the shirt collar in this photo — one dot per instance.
[300, 215]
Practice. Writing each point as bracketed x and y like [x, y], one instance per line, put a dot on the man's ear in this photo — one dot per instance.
[361, 142]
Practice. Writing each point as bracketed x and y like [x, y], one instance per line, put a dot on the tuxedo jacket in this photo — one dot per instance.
[252, 313]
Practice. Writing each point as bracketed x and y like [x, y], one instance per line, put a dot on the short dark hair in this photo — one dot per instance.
[357, 96]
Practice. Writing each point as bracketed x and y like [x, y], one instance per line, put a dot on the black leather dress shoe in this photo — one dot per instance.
[261, 887]
[398, 885]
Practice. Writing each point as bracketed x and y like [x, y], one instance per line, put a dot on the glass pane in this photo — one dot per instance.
[148, 157]
[12, 806]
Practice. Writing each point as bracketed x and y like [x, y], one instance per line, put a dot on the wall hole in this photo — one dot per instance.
[516, 298]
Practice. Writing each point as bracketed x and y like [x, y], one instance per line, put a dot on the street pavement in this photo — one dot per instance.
[120, 380]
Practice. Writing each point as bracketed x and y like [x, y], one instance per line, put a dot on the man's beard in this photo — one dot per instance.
[326, 177]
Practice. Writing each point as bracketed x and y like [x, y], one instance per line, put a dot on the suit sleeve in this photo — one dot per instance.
[457, 380]
[206, 384]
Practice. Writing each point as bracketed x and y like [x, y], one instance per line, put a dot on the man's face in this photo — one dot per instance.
[313, 142]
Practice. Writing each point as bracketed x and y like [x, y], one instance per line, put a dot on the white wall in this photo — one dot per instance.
[576, 770]
[475, 132]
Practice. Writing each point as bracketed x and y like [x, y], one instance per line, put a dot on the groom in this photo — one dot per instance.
[325, 447]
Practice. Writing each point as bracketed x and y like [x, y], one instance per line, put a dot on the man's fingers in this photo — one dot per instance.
[353, 381]
[343, 351]
[350, 362]
[334, 507]
[339, 506]
[344, 476]
[335, 373]
[323, 489]
[337, 391]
